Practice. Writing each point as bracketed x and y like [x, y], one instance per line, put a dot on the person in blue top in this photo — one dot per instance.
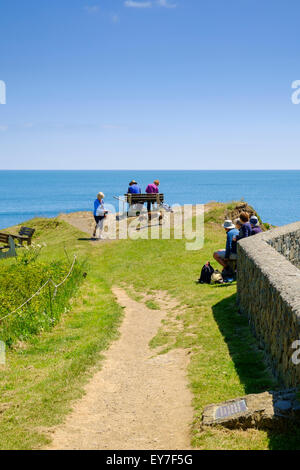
[222, 256]
[134, 188]
[99, 213]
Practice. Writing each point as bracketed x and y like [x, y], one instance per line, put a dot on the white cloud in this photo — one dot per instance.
[166, 4]
[134, 4]
[148, 4]
[91, 9]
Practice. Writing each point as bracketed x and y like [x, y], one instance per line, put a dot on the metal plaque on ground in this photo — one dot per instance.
[225, 411]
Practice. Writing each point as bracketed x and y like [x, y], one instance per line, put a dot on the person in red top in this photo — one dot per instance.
[152, 188]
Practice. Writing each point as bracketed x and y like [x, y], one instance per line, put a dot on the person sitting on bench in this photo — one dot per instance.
[152, 188]
[223, 256]
[134, 188]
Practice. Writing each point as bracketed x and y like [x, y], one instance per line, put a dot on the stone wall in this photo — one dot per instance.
[287, 242]
[268, 283]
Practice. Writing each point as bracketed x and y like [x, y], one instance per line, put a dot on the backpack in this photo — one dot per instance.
[217, 278]
[206, 273]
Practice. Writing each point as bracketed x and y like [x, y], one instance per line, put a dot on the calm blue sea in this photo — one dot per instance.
[26, 194]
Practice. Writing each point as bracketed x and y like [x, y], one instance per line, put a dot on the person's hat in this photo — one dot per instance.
[228, 224]
[254, 220]
[101, 195]
[132, 182]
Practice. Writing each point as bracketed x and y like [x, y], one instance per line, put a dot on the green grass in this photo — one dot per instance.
[152, 305]
[224, 360]
[41, 379]
[19, 281]
[43, 376]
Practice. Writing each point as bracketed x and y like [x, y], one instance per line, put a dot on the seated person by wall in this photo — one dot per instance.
[245, 227]
[255, 225]
[223, 256]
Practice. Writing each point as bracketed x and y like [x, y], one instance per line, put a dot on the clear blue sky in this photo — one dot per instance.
[164, 84]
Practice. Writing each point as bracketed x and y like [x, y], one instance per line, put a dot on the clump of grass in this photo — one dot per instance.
[152, 305]
[215, 215]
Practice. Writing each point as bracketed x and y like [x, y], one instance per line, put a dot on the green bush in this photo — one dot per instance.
[19, 281]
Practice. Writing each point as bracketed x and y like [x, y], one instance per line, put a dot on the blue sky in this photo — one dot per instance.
[164, 84]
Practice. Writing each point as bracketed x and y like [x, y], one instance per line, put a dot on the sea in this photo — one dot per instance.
[26, 194]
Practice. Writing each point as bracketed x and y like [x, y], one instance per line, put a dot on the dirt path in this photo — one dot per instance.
[138, 400]
[84, 221]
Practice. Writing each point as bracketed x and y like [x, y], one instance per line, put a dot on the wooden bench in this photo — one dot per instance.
[25, 235]
[7, 246]
[8, 241]
[139, 200]
[142, 198]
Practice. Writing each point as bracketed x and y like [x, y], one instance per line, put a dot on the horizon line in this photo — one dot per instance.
[148, 169]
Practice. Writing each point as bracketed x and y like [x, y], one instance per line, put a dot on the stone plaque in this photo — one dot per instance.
[225, 411]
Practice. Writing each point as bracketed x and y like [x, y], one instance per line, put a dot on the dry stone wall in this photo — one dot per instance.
[268, 283]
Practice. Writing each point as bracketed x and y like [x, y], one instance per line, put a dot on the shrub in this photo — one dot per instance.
[19, 281]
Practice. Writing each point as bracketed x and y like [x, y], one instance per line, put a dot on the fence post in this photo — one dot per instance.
[2, 353]
[50, 299]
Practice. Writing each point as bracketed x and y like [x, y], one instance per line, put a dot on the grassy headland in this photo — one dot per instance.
[47, 372]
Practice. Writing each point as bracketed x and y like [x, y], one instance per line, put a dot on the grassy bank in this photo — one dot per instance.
[49, 285]
[43, 376]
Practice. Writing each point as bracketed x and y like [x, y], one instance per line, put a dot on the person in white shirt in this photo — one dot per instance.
[99, 214]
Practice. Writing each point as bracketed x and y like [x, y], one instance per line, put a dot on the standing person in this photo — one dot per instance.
[99, 213]
[255, 225]
[134, 188]
[222, 256]
[152, 188]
